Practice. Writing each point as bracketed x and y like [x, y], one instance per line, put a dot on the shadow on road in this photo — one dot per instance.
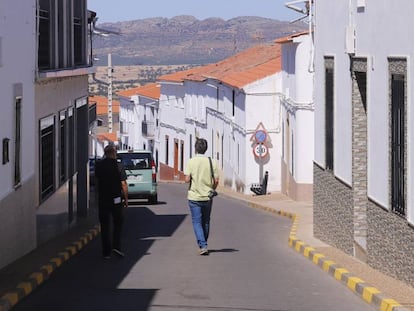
[89, 282]
[223, 250]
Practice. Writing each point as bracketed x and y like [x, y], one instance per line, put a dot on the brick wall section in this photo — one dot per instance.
[332, 210]
[390, 244]
[359, 153]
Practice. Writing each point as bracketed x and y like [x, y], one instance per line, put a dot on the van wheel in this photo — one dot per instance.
[153, 199]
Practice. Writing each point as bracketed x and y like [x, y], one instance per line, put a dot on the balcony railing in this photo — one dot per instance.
[148, 129]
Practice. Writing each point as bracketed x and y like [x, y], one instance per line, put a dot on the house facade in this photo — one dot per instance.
[226, 103]
[363, 152]
[139, 118]
[99, 131]
[297, 109]
[45, 124]
[17, 169]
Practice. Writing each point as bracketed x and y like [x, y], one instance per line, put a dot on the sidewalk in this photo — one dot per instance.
[21, 277]
[373, 286]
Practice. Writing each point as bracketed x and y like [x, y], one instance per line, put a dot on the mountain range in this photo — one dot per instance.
[185, 39]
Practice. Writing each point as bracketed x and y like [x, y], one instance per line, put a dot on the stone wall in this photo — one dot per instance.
[332, 210]
[390, 244]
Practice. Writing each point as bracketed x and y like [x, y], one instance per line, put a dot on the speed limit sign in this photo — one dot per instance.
[260, 150]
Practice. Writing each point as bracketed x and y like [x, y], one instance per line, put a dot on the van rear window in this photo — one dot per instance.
[135, 161]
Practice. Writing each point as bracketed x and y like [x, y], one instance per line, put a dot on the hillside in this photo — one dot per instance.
[185, 39]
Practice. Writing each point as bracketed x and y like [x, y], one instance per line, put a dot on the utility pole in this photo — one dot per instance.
[110, 70]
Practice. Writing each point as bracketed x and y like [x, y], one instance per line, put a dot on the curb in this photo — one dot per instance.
[370, 294]
[23, 289]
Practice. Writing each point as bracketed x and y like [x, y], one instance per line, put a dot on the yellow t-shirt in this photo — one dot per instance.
[198, 168]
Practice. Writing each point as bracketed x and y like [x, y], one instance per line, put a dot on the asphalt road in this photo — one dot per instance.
[250, 266]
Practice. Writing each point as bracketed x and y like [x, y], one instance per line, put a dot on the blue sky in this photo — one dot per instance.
[124, 10]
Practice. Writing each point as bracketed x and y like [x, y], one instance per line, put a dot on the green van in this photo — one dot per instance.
[141, 174]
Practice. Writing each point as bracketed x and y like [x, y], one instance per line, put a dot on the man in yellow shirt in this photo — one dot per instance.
[202, 174]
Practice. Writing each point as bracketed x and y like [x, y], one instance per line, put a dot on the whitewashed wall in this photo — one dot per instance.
[171, 119]
[52, 97]
[391, 38]
[376, 39]
[262, 105]
[297, 89]
[17, 61]
[130, 117]
[329, 41]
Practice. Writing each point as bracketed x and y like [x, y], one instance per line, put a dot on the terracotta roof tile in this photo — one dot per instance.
[151, 90]
[111, 137]
[102, 105]
[239, 70]
[291, 37]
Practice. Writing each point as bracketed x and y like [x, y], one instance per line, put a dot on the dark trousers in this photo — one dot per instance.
[114, 212]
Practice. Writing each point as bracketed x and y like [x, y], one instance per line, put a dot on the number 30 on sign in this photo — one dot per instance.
[260, 150]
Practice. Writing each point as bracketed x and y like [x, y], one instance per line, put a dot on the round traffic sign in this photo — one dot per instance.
[260, 150]
[260, 136]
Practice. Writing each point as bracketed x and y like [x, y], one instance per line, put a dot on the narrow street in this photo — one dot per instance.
[250, 266]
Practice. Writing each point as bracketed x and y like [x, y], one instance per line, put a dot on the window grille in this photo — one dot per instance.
[329, 118]
[398, 143]
[47, 163]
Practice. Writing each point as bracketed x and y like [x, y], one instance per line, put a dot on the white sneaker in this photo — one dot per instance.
[203, 252]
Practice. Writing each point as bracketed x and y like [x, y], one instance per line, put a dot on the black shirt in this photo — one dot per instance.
[109, 175]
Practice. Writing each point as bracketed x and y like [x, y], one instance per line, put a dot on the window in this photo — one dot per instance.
[62, 34]
[47, 159]
[62, 147]
[78, 30]
[181, 156]
[191, 146]
[71, 142]
[44, 52]
[329, 114]
[166, 149]
[17, 140]
[233, 100]
[398, 143]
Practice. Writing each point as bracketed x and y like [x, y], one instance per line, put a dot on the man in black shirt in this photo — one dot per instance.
[112, 195]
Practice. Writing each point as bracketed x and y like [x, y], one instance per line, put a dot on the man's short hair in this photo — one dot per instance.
[109, 150]
[200, 146]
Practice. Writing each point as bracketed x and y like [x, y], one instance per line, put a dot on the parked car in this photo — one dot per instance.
[141, 174]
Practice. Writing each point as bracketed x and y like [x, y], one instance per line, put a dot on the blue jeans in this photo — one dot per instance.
[200, 215]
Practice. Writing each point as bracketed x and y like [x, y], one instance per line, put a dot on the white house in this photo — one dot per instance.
[44, 123]
[17, 169]
[101, 132]
[225, 103]
[363, 194]
[139, 118]
[297, 115]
